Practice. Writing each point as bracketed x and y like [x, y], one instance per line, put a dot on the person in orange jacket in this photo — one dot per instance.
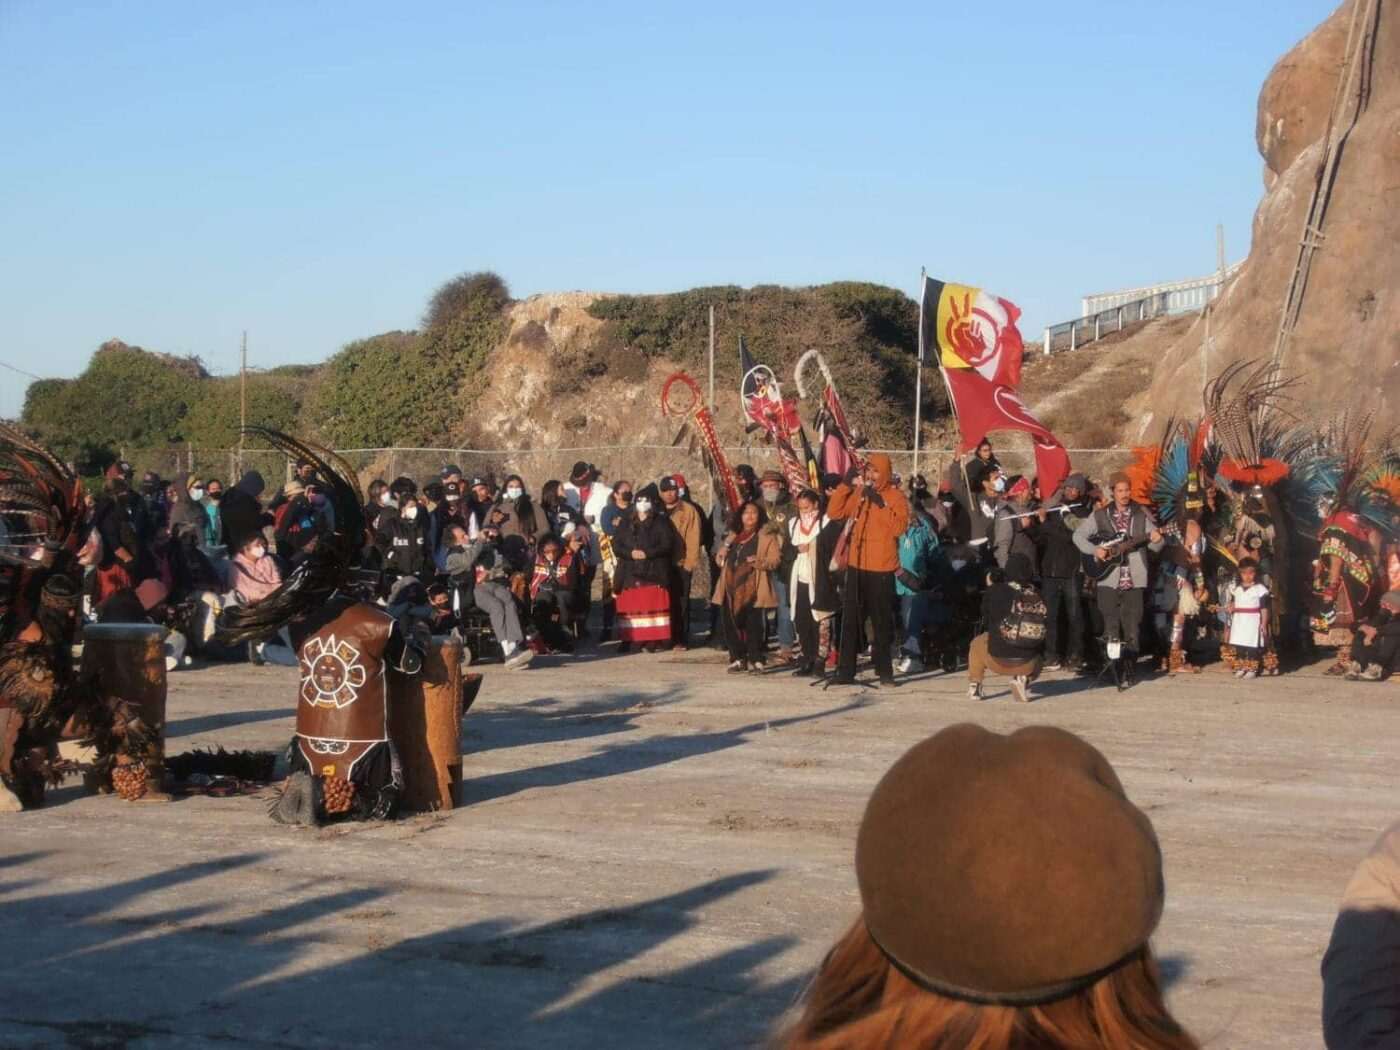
[877, 515]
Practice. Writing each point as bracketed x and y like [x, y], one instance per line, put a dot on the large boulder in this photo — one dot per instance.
[1345, 348]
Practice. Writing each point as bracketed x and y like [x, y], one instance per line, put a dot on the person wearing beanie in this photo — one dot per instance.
[1375, 649]
[1121, 530]
[877, 515]
[1009, 890]
[1012, 532]
[1013, 642]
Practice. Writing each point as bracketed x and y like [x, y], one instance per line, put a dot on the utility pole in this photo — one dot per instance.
[242, 397]
[712, 358]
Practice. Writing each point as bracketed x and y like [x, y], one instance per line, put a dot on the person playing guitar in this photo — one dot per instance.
[1115, 537]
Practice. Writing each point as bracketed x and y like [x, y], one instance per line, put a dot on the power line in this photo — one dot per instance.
[21, 371]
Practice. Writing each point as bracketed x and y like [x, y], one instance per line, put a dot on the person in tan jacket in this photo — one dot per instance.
[751, 551]
[685, 519]
[1361, 969]
[877, 515]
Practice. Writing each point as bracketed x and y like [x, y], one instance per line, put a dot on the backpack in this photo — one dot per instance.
[1024, 626]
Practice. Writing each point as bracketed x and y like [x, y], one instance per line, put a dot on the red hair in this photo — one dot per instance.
[859, 1001]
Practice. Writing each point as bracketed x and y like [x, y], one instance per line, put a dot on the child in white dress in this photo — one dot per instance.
[1249, 649]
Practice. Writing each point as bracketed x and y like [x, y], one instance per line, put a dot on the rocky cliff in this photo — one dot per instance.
[1346, 346]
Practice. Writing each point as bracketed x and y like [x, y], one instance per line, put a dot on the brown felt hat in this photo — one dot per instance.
[1006, 869]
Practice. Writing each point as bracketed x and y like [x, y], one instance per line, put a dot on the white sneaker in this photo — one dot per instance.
[1239, 673]
[1248, 674]
[1020, 685]
[522, 657]
[974, 691]
[909, 665]
[1054, 666]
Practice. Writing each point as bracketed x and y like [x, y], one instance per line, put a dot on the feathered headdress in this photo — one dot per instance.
[41, 501]
[326, 568]
[1237, 402]
[1172, 475]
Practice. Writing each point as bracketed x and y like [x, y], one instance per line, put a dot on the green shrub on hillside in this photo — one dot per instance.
[378, 391]
[867, 333]
[213, 420]
[125, 398]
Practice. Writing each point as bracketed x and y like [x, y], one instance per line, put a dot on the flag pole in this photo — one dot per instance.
[919, 374]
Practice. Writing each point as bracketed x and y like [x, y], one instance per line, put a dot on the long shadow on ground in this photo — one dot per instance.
[99, 970]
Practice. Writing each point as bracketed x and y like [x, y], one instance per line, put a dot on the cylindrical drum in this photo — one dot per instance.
[425, 723]
[127, 662]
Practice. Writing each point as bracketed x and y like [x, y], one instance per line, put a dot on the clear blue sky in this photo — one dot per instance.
[176, 172]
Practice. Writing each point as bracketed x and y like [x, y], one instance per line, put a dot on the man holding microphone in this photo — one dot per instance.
[877, 515]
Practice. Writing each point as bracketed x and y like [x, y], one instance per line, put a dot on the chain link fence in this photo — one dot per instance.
[636, 463]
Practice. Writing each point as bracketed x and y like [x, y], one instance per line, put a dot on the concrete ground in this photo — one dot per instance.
[652, 853]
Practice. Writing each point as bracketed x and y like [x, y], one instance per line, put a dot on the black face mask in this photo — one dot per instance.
[215, 496]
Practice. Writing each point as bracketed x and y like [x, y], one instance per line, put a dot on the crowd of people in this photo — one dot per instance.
[981, 570]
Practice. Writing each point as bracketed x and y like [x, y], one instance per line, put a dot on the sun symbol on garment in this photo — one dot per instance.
[331, 673]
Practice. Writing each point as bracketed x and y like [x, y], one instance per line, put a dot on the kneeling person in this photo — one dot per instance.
[1014, 642]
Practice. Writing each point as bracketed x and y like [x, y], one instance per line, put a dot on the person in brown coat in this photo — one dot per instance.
[685, 519]
[877, 515]
[750, 552]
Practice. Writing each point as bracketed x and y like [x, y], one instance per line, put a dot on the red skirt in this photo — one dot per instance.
[644, 614]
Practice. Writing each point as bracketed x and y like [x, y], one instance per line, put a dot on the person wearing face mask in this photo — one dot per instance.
[253, 573]
[213, 497]
[644, 544]
[480, 497]
[520, 520]
[777, 505]
[186, 515]
[407, 533]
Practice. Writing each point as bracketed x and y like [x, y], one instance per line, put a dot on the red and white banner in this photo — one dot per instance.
[982, 407]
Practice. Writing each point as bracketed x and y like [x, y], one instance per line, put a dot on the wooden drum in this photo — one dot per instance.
[425, 723]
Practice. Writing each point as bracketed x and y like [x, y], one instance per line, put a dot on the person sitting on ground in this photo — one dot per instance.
[552, 590]
[644, 544]
[1375, 649]
[1009, 889]
[1013, 642]
[752, 551]
[491, 590]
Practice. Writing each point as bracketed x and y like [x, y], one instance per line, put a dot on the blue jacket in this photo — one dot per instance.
[916, 547]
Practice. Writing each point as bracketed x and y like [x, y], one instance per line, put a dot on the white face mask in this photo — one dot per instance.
[386, 498]
[410, 513]
[999, 484]
[514, 493]
[196, 493]
[256, 551]
[643, 506]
